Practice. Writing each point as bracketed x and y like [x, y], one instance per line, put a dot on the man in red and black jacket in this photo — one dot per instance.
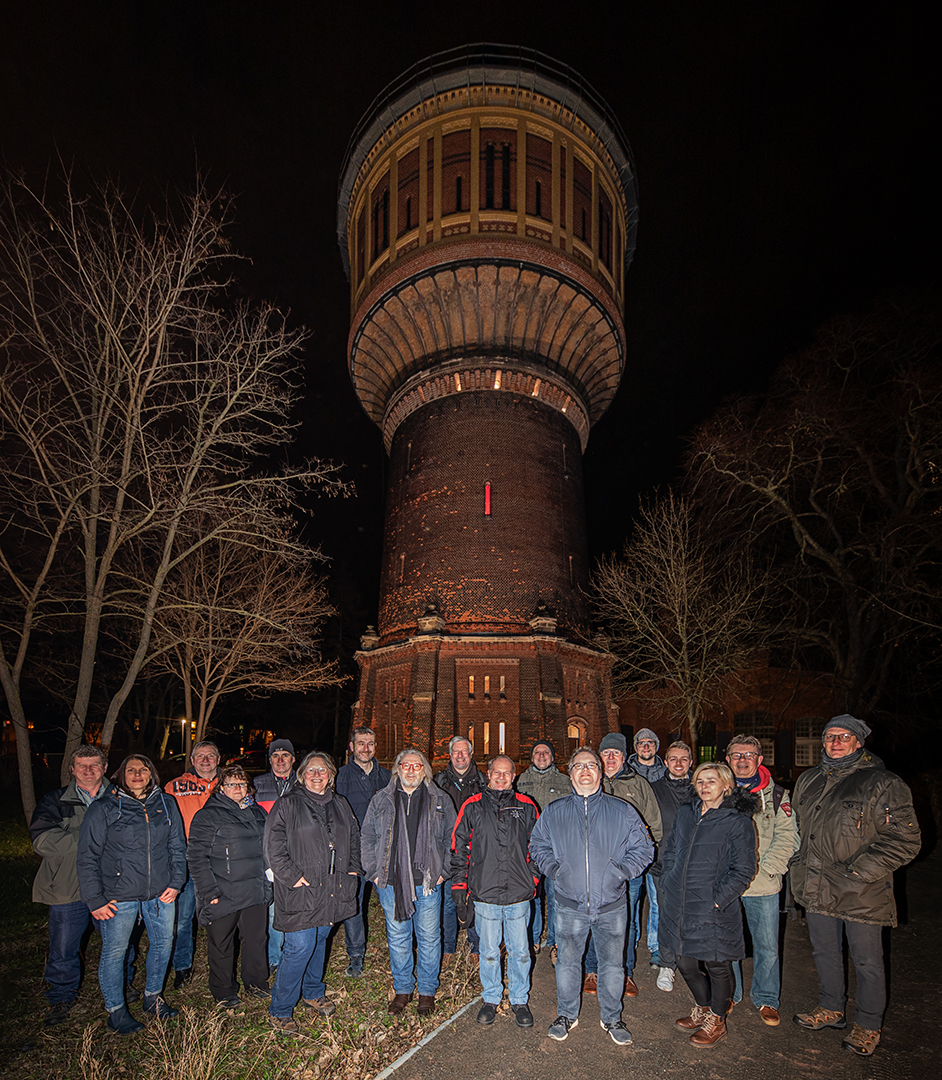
[491, 867]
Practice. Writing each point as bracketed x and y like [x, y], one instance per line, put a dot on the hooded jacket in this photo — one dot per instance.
[544, 785]
[380, 820]
[777, 828]
[459, 786]
[225, 857]
[589, 846]
[490, 844]
[857, 826]
[54, 830]
[130, 849]
[651, 773]
[633, 788]
[269, 787]
[300, 838]
[707, 862]
[191, 792]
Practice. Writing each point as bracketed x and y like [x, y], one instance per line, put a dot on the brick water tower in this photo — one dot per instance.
[487, 217]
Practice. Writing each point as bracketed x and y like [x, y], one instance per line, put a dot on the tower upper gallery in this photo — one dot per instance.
[487, 217]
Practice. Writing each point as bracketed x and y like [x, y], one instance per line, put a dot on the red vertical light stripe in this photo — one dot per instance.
[487, 499]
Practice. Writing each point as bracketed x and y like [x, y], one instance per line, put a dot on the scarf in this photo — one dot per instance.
[403, 858]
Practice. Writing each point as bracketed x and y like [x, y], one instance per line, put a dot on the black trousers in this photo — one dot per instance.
[252, 926]
[715, 988]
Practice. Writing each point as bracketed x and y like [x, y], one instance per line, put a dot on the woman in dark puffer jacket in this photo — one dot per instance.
[707, 864]
[228, 868]
[312, 843]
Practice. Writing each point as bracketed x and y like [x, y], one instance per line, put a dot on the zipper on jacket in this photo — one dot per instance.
[228, 870]
[588, 891]
[147, 821]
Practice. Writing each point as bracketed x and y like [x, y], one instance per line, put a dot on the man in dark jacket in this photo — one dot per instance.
[405, 846]
[54, 831]
[857, 826]
[358, 781]
[460, 778]
[671, 791]
[278, 781]
[490, 867]
[590, 845]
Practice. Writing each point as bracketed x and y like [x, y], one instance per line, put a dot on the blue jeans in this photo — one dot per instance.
[548, 890]
[608, 931]
[634, 905]
[450, 926]
[651, 889]
[865, 944]
[67, 926]
[425, 924]
[276, 939]
[186, 911]
[354, 928]
[762, 917]
[507, 921]
[115, 938]
[301, 971]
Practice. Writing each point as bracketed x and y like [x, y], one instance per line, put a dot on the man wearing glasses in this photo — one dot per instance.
[778, 841]
[590, 845]
[857, 826]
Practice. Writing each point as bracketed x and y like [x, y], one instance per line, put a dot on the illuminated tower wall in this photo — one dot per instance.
[487, 217]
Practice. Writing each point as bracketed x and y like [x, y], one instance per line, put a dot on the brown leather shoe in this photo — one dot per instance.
[695, 1020]
[590, 984]
[770, 1016]
[426, 1005]
[398, 1003]
[712, 1031]
[630, 989]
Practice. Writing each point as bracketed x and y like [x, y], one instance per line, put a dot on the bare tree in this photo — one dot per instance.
[235, 618]
[838, 470]
[137, 400]
[683, 616]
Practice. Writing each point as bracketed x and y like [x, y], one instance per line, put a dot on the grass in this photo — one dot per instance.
[202, 1043]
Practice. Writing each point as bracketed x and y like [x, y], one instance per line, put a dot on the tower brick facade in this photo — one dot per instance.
[487, 218]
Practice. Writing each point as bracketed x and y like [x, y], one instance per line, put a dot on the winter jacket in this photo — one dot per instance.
[707, 862]
[490, 847]
[298, 838]
[225, 858]
[461, 787]
[651, 773]
[544, 785]
[191, 792]
[777, 828]
[130, 849]
[377, 836]
[269, 787]
[590, 846]
[54, 830]
[358, 787]
[634, 789]
[670, 795]
[857, 826]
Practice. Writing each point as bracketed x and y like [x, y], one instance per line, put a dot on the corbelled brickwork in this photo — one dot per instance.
[487, 218]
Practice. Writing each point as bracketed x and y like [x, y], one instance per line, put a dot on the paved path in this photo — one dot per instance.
[911, 1047]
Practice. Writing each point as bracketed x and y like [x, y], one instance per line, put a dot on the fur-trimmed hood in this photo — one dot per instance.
[742, 801]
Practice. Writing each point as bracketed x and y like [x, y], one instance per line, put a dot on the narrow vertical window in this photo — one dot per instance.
[539, 199]
[501, 738]
[408, 212]
[458, 195]
[470, 688]
[385, 219]
[505, 177]
[487, 738]
[489, 176]
[487, 499]
[487, 687]
[503, 687]
[471, 736]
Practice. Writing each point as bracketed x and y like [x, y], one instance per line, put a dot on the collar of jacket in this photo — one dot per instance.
[765, 778]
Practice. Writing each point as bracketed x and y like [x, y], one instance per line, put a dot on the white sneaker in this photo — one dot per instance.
[665, 979]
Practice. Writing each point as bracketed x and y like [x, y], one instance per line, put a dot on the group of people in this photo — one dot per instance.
[280, 864]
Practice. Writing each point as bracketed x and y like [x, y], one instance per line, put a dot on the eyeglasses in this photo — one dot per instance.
[315, 772]
[585, 765]
[748, 756]
[236, 785]
[839, 738]
[411, 766]
[646, 742]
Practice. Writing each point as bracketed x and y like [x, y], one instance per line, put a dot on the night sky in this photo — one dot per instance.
[782, 155]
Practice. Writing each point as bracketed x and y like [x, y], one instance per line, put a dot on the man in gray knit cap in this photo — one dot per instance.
[857, 826]
[644, 760]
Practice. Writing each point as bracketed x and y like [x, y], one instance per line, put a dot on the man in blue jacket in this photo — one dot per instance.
[358, 781]
[590, 845]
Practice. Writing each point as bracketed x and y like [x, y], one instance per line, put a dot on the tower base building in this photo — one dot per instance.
[487, 217]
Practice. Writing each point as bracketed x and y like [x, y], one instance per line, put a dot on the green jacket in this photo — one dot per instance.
[634, 789]
[543, 786]
[777, 829]
[54, 831]
[857, 825]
